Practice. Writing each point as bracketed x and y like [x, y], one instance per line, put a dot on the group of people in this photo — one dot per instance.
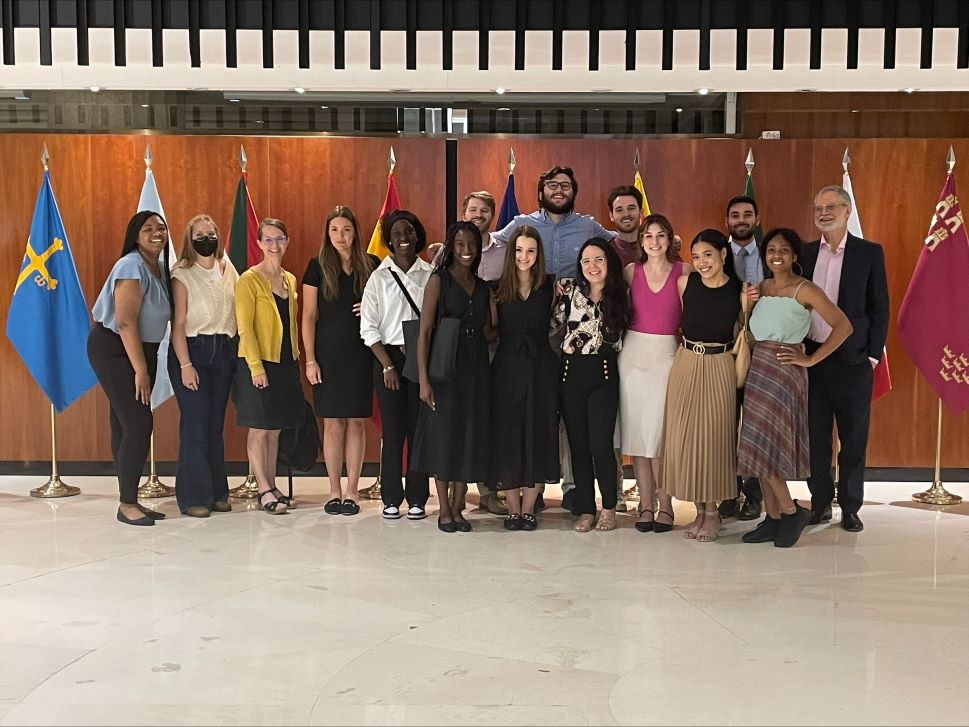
[539, 352]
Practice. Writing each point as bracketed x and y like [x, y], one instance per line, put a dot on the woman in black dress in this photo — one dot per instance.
[339, 365]
[524, 381]
[454, 424]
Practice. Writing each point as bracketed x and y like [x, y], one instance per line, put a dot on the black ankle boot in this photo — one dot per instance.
[790, 527]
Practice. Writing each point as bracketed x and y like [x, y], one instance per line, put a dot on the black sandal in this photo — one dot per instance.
[285, 499]
[270, 507]
[349, 507]
[659, 527]
[529, 521]
[645, 526]
[334, 506]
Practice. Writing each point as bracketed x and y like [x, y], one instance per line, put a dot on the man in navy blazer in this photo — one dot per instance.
[852, 273]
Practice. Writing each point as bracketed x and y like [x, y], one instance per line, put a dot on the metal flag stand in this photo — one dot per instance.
[937, 494]
[54, 487]
[633, 492]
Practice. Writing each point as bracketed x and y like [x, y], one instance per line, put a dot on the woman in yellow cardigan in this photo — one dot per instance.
[267, 393]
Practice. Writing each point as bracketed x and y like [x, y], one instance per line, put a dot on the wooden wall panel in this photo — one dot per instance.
[97, 179]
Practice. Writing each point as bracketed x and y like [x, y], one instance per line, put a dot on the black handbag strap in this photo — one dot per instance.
[403, 290]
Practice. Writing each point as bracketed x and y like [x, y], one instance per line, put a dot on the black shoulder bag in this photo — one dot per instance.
[444, 341]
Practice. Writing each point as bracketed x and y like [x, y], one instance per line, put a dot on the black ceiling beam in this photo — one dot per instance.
[594, 21]
[816, 18]
[339, 35]
[484, 26]
[194, 34]
[521, 22]
[231, 40]
[157, 42]
[779, 18]
[83, 47]
[704, 58]
[120, 52]
[743, 14]
[890, 29]
[962, 56]
[6, 17]
[558, 25]
[267, 33]
[852, 56]
[447, 33]
[374, 35]
[303, 33]
[928, 18]
[632, 23]
[410, 33]
[668, 10]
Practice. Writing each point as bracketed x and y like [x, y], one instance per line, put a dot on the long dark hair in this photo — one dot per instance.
[615, 299]
[329, 258]
[508, 282]
[447, 254]
[792, 239]
[131, 244]
[718, 241]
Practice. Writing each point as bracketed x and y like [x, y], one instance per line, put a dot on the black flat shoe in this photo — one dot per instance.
[349, 507]
[462, 526]
[153, 514]
[143, 520]
[334, 506]
[513, 522]
[529, 522]
[659, 527]
[450, 527]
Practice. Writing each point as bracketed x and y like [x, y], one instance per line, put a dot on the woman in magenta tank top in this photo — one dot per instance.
[645, 361]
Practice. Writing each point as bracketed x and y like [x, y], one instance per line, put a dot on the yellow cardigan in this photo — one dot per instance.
[260, 326]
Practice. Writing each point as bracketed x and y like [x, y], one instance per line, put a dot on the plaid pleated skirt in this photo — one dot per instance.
[774, 436]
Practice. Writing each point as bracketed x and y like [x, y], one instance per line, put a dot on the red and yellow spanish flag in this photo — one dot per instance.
[391, 203]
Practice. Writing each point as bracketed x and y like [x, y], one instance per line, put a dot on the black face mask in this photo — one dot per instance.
[205, 246]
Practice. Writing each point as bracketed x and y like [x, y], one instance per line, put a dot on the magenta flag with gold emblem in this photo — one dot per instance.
[933, 320]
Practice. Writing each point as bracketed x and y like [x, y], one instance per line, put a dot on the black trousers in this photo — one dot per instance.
[589, 396]
[131, 421]
[200, 477]
[751, 486]
[838, 393]
[398, 415]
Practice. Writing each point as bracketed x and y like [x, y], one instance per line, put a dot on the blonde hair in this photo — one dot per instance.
[329, 258]
[189, 255]
[484, 196]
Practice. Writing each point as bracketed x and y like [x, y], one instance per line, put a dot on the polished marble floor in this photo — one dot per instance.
[312, 619]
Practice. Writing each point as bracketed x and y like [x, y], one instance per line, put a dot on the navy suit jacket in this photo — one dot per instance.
[862, 295]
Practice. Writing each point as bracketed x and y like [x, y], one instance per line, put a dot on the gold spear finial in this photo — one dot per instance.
[391, 160]
[636, 160]
[845, 161]
[511, 160]
[950, 159]
[45, 156]
[749, 164]
[148, 157]
[243, 159]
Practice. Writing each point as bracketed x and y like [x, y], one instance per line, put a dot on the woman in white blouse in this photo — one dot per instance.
[202, 369]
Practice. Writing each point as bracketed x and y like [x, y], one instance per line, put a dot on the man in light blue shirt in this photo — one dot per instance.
[562, 229]
[743, 221]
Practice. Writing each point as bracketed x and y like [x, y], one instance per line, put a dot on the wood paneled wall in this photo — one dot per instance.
[97, 179]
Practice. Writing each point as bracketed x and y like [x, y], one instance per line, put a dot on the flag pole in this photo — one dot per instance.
[54, 487]
[633, 492]
[249, 489]
[937, 494]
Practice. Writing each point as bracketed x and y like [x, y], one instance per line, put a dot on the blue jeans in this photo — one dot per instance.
[200, 478]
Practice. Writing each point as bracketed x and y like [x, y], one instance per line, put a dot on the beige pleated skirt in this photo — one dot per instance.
[644, 369]
[699, 461]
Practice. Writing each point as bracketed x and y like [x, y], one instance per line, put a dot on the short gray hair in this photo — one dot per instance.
[838, 190]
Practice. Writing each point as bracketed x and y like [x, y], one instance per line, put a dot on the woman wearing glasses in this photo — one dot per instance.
[595, 312]
[340, 365]
[202, 366]
[268, 396]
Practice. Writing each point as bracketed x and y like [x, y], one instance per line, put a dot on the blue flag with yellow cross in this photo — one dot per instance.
[48, 321]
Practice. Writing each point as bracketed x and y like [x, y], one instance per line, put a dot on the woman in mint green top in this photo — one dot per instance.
[774, 430]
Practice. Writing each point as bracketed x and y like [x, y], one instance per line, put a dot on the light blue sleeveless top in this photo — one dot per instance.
[780, 319]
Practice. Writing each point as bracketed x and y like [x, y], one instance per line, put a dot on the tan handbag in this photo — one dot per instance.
[741, 351]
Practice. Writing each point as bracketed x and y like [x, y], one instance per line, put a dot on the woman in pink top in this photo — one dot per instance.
[645, 361]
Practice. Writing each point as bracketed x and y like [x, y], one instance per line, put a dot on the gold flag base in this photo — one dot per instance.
[55, 488]
[937, 495]
[372, 492]
[154, 487]
[248, 490]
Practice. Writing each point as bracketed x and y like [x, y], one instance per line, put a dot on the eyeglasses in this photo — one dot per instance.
[823, 209]
[564, 186]
[275, 240]
[203, 238]
[587, 261]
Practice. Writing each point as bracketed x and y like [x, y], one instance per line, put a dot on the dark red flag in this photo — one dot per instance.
[933, 321]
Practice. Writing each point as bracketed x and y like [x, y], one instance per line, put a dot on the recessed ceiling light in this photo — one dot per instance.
[324, 107]
[703, 91]
[500, 90]
[503, 108]
[259, 121]
[144, 106]
[854, 111]
[909, 90]
[300, 89]
[21, 98]
[94, 89]
[679, 111]
[233, 100]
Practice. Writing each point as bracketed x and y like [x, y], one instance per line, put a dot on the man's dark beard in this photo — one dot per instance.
[558, 209]
[744, 240]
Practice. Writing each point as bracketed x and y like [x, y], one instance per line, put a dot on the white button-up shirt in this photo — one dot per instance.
[384, 307]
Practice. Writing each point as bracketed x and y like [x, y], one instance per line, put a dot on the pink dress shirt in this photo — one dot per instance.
[827, 276]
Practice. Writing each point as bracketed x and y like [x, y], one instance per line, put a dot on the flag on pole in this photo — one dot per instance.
[244, 249]
[749, 192]
[933, 320]
[48, 321]
[391, 203]
[882, 382]
[509, 204]
[638, 184]
[150, 201]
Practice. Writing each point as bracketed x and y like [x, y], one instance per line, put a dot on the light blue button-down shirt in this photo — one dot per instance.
[562, 240]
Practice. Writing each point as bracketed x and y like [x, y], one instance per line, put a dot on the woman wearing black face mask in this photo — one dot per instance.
[203, 365]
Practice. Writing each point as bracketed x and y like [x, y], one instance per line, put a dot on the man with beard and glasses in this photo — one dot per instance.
[563, 232]
[743, 219]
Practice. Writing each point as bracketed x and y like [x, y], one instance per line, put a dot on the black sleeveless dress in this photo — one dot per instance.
[524, 394]
[452, 442]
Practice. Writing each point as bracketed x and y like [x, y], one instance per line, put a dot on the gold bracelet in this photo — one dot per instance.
[389, 368]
